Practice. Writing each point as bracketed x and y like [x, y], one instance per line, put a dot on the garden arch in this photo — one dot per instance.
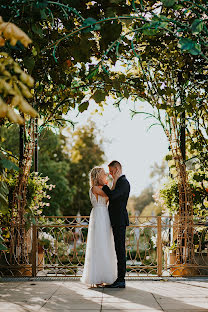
[157, 23]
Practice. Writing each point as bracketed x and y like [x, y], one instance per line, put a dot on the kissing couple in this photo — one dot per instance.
[105, 258]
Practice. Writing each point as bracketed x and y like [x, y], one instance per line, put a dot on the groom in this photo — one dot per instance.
[118, 198]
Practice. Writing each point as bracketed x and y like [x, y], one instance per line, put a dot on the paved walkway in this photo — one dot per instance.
[139, 295]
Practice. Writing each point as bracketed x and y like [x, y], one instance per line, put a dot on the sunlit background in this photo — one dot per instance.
[127, 139]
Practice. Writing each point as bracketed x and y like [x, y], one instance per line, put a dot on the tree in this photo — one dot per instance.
[159, 172]
[151, 210]
[85, 153]
[10, 139]
[66, 158]
[53, 162]
[144, 199]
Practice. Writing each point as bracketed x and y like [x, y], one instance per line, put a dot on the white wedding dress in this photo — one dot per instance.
[100, 257]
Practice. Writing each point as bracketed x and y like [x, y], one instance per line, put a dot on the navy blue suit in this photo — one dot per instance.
[119, 220]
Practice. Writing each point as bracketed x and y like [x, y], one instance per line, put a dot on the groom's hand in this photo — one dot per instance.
[117, 175]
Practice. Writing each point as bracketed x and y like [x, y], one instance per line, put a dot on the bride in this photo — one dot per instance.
[100, 258]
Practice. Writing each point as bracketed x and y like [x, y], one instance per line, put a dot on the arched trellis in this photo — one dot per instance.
[176, 139]
[92, 25]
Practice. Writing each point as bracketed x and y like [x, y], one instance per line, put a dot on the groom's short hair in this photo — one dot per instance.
[115, 163]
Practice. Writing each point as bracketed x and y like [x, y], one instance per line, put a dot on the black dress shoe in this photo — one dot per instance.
[116, 284]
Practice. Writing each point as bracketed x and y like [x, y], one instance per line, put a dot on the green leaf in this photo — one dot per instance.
[33, 220]
[3, 199]
[197, 26]
[37, 29]
[168, 3]
[3, 188]
[43, 14]
[92, 73]
[116, 84]
[141, 99]
[3, 204]
[90, 21]
[150, 32]
[3, 247]
[83, 106]
[198, 177]
[6, 163]
[29, 63]
[41, 4]
[196, 50]
[151, 29]
[109, 32]
[162, 17]
[126, 93]
[189, 45]
[185, 44]
[99, 96]
[168, 157]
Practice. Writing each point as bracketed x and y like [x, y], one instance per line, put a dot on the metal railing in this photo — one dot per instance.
[55, 246]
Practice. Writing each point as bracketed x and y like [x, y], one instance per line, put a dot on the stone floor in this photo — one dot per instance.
[139, 295]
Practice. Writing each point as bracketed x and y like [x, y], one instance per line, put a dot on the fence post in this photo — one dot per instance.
[34, 249]
[159, 247]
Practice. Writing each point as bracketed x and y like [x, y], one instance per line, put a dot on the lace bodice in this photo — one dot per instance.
[97, 202]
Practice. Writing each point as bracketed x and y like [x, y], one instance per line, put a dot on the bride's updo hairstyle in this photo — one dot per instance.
[95, 176]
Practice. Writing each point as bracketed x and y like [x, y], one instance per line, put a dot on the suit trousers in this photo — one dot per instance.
[119, 233]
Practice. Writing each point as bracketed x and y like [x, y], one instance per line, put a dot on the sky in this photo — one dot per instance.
[127, 140]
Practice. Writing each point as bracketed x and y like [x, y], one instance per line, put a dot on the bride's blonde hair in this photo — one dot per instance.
[95, 176]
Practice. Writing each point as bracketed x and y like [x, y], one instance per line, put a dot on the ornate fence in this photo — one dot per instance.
[55, 246]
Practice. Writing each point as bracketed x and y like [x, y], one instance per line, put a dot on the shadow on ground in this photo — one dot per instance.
[64, 296]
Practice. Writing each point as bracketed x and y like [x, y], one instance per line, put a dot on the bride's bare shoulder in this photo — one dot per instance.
[98, 190]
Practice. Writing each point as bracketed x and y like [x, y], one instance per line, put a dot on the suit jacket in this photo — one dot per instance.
[117, 201]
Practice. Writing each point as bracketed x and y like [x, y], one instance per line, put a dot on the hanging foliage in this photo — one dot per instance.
[15, 84]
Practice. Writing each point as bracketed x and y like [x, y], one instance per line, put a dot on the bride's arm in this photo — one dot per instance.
[98, 190]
